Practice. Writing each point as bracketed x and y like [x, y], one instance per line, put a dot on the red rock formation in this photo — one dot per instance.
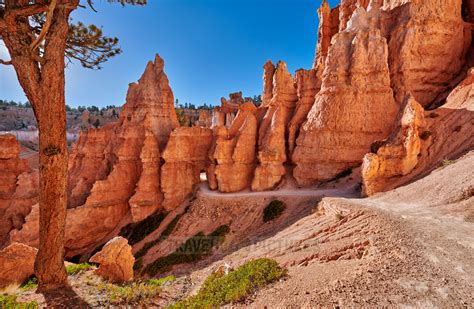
[428, 44]
[328, 27]
[16, 264]
[268, 72]
[307, 85]
[233, 154]
[272, 151]
[347, 8]
[114, 171]
[18, 187]
[186, 156]
[355, 106]
[116, 260]
[399, 156]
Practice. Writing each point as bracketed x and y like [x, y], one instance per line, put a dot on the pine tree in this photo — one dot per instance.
[40, 39]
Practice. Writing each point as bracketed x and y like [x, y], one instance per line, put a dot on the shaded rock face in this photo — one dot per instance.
[233, 155]
[116, 260]
[355, 106]
[116, 173]
[328, 27]
[18, 187]
[399, 156]
[16, 264]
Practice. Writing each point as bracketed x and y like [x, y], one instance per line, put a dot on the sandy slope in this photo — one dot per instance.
[413, 246]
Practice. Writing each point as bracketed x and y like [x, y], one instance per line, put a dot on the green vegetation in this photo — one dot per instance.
[10, 302]
[31, 284]
[339, 216]
[161, 281]
[135, 232]
[136, 293]
[165, 234]
[220, 289]
[192, 250]
[77, 268]
[273, 210]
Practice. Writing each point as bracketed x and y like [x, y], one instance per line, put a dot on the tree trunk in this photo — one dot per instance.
[53, 160]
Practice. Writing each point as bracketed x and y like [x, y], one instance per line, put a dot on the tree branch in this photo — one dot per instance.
[12, 13]
[47, 24]
[5, 62]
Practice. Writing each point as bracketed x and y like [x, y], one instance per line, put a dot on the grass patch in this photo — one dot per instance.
[273, 210]
[31, 284]
[134, 294]
[220, 289]
[161, 281]
[10, 302]
[77, 268]
[192, 250]
[135, 232]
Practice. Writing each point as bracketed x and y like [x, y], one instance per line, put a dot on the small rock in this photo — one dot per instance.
[16, 264]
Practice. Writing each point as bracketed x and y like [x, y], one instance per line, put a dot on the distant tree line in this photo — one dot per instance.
[14, 103]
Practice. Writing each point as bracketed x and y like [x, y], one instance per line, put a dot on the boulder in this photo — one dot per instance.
[116, 260]
[17, 263]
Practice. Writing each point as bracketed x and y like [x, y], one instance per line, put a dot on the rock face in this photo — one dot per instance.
[16, 264]
[116, 260]
[399, 156]
[18, 187]
[428, 44]
[328, 27]
[116, 171]
[272, 150]
[233, 154]
[186, 156]
[355, 106]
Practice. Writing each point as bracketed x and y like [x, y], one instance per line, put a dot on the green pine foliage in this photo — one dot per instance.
[273, 210]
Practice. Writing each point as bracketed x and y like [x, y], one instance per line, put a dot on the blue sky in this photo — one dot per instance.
[210, 47]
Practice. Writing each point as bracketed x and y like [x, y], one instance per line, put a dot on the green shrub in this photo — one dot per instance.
[31, 284]
[161, 281]
[220, 289]
[135, 232]
[192, 250]
[273, 210]
[447, 162]
[135, 293]
[77, 268]
[10, 302]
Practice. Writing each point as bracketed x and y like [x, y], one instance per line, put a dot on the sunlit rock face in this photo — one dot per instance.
[18, 187]
[399, 156]
[115, 171]
[355, 106]
[233, 155]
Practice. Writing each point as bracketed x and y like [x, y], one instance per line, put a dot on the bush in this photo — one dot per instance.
[135, 232]
[31, 284]
[10, 302]
[273, 210]
[135, 293]
[77, 268]
[161, 281]
[447, 162]
[220, 289]
[192, 250]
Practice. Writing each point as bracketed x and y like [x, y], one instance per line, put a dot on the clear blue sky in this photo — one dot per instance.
[210, 47]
